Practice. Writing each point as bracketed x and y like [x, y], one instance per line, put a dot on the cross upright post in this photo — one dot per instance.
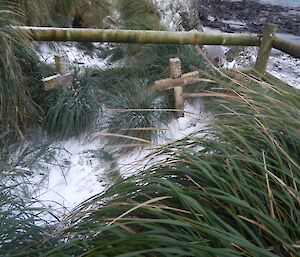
[176, 72]
[63, 78]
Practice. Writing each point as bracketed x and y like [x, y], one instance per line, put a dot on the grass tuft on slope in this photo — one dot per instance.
[72, 112]
[233, 192]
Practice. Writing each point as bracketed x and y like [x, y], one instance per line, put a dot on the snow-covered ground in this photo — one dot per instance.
[281, 65]
[285, 68]
[86, 174]
[76, 57]
[69, 186]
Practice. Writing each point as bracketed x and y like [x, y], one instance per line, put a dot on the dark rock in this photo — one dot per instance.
[253, 13]
[203, 13]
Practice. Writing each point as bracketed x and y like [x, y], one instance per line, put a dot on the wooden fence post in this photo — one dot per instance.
[176, 72]
[61, 64]
[265, 48]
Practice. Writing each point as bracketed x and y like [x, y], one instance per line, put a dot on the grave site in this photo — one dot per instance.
[127, 128]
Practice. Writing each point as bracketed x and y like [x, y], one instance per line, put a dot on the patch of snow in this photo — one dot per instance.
[62, 190]
[169, 18]
[84, 177]
[286, 68]
[131, 164]
[235, 23]
[75, 56]
[67, 189]
[170, 12]
[280, 65]
[194, 120]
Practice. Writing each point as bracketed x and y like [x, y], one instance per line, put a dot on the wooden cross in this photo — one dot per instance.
[63, 78]
[177, 82]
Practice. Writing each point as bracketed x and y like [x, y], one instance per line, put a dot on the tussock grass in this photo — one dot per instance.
[156, 58]
[109, 161]
[233, 192]
[122, 90]
[35, 12]
[130, 88]
[140, 14]
[135, 124]
[72, 112]
[63, 13]
[143, 62]
[19, 78]
[22, 222]
[110, 81]
[136, 15]
[92, 13]
[18, 223]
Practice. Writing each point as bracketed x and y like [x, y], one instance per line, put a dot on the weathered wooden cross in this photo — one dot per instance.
[177, 82]
[63, 78]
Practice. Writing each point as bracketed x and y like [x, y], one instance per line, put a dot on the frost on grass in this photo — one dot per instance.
[92, 168]
[87, 175]
[78, 57]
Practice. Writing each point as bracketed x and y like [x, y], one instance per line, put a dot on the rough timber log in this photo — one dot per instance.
[184, 80]
[154, 37]
[138, 36]
[290, 48]
[265, 48]
[176, 73]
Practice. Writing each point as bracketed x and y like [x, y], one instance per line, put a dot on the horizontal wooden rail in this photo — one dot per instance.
[288, 47]
[138, 36]
[154, 37]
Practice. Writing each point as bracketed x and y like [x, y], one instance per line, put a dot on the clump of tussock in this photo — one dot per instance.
[72, 111]
[232, 192]
[20, 73]
[133, 115]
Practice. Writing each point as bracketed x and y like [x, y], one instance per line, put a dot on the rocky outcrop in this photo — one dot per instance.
[179, 15]
[247, 16]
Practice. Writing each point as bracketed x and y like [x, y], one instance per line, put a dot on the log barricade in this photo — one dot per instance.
[265, 41]
[177, 80]
[137, 36]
